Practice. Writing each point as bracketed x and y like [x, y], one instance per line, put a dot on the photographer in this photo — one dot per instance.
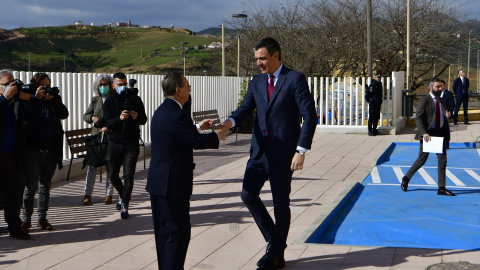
[44, 149]
[123, 112]
[12, 150]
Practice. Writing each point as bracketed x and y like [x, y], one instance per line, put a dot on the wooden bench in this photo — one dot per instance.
[76, 143]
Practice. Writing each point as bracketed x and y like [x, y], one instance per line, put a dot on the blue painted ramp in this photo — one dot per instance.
[379, 213]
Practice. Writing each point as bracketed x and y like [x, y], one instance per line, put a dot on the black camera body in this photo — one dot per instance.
[53, 91]
[27, 88]
[130, 92]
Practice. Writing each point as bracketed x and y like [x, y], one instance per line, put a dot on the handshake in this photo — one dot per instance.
[220, 129]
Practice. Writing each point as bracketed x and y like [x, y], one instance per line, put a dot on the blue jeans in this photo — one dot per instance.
[127, 154]
[40, 170]
[90, 182]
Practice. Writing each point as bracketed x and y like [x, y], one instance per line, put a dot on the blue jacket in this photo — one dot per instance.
[449, 102]
[278, 120]
[174, 136]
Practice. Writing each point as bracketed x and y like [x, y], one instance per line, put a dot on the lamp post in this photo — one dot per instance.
[239, 16]
[64, 66]
[29, 53]
[478, 71]
[184, 54]
[141, 51]
[369, 38]
[223, 50]
[468, 65]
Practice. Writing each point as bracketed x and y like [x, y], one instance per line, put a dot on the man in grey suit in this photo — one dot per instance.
[431, 120]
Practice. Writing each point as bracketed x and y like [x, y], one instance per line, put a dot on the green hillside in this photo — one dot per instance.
[104, 49]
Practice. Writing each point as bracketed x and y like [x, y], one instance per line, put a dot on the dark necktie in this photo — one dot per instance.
[437, 115]
[463, 85]
[271, 86]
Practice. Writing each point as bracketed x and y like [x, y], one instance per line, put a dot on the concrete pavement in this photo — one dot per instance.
[224, 235]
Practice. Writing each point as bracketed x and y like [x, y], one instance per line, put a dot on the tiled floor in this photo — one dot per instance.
[224, 235]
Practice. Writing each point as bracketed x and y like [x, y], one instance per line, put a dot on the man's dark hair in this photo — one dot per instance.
[170, 83]
[434, 80]
[37, 78]
[443, 81]
[271, 45]
[119, 75]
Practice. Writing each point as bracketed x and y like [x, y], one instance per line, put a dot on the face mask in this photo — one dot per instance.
[120, 89]
[104, 90]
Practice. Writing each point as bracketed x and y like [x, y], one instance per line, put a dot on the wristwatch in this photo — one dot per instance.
[302, 153]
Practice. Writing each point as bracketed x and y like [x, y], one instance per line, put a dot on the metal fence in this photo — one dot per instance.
[340, 102]
[208, 92]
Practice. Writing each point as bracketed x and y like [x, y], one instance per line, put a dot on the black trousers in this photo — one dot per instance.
[422, 158]
[11, 186]
[171, 224]
[373, 116]
[280, 177]
[128, 155]
[461, 102]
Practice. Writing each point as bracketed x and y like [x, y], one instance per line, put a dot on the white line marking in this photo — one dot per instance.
[428, 167]
[427, 177]
[454, 178]
[398, 173]
[375, 176]
[473, 174]
[371, 184]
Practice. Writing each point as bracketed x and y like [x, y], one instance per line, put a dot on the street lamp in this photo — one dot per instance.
[64, 66]
[141, 51]
[29, 53]
[239, 16]
[184, 54]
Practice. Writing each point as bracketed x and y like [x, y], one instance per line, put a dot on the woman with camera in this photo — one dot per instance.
[102, 87]
[44, 148]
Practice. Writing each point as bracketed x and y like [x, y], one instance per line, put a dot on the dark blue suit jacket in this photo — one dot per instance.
[279, 119]
[174, 136]
[458, 88]
[449, 102]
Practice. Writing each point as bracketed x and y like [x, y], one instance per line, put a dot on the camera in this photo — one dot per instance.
[27, 88]
[53, 91]
[130, 92]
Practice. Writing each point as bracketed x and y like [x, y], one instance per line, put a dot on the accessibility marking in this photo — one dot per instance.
[474, 175]
[427, 177]
[454, 179]
[375, 176]
[398, 173]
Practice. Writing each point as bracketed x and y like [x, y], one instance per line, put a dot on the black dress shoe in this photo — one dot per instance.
[445, 192]
[404, 184]
[273, 264]
[19, 234]
[467, 123]
[263, 260]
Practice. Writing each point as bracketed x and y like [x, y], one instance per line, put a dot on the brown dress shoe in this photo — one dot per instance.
[87, 200]
[44, 225]
[108, 200]
[26, 225]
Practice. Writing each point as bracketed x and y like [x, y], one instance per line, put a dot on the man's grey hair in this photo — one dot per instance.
[96, 84]
[461, 71]
[6, 72]
[170, 83]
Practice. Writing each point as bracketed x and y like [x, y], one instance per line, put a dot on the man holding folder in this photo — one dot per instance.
[431, 121]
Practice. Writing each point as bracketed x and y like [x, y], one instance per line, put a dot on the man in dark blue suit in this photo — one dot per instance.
[170, 176]
[448, 98]
[460, 88]
[281, 98]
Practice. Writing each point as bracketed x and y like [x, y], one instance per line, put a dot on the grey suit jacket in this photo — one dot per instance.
[426, 116]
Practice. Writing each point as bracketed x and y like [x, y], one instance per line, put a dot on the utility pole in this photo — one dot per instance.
[408, 44]
[223, 50]
[468, 65]
[369, 38]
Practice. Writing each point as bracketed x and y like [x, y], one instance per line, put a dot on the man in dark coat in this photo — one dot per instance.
[281, 98]
[431, 120]
[447, 96]
[170, 176]
[374, 97]
[460, 88]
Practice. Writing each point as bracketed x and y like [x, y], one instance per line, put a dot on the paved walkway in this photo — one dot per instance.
[224, 235]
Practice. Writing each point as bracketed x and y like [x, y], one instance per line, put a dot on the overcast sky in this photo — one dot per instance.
[199, 14]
